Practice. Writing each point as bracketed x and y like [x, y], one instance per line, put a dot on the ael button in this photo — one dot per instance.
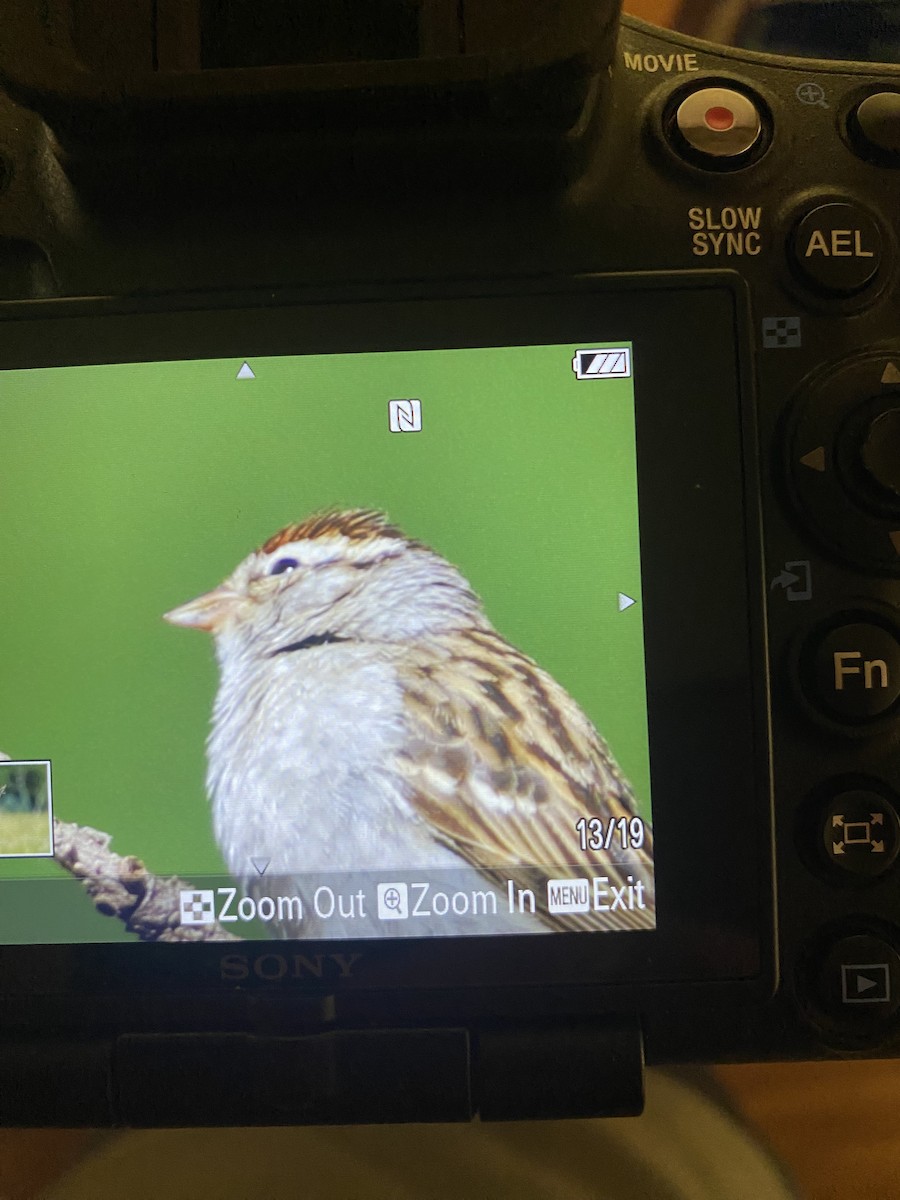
[717, 127]
[837, 248]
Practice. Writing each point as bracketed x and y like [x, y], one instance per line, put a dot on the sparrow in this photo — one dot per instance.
[370, 719]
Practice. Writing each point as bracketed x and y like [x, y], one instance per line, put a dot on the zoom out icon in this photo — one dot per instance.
[393, 901]
[198, 906]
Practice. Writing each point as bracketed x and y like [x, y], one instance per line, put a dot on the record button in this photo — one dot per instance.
[719, 122]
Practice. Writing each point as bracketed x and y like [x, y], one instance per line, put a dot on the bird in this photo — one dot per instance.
[370, 719]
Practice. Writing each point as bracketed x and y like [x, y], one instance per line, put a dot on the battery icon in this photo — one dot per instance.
[602, 364]
[568, 896]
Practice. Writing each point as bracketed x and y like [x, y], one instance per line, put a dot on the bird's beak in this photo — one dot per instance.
[208, 611]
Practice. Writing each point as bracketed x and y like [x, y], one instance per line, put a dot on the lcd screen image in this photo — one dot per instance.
[326, 646]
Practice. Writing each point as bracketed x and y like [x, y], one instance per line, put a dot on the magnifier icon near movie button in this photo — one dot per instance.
[393, 901]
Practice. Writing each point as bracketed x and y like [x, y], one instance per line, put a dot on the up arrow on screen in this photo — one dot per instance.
[625, 601]
[246, 372]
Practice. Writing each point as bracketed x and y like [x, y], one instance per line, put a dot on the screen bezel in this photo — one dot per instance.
[703, 612]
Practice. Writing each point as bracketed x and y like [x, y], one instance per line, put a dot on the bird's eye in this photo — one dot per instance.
[283, 564]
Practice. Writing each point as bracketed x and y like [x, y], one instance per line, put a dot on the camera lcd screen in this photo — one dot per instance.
[343, 630]
[405, 732]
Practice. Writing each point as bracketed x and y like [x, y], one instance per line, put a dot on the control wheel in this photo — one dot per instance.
[844, 461]
[869, 455]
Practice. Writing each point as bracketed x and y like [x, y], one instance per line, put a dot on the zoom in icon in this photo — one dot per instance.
[393, 901]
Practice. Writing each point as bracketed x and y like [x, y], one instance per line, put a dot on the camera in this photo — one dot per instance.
[502, 404]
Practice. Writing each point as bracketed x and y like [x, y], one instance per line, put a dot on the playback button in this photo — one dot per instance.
[859, 978]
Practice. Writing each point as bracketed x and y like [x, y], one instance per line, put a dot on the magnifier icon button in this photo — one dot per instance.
[393, 901]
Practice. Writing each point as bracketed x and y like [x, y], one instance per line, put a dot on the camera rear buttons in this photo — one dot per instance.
[844, 464]
[837, 248]
[874, 128]
[717, 126]
[860, 833]
[859, 979]
[851, 672]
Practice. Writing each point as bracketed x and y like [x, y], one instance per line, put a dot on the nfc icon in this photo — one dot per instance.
[405, 416]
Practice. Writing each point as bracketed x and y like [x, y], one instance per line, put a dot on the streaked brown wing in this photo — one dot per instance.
[502, 763]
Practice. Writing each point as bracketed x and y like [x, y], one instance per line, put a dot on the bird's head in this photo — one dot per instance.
[347, 575]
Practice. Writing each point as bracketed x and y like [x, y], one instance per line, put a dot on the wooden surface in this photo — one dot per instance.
[835, 1125]
[659, 11]
[32, 1158]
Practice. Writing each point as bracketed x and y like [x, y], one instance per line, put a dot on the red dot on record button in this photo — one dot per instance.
[719, 117]
[717, 123]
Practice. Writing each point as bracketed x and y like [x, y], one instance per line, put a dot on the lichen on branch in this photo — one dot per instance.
[121, 886]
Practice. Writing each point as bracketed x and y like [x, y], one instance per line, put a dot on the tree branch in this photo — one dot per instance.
[121, 886]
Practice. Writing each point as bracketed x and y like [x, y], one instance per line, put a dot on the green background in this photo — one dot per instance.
[128, 489]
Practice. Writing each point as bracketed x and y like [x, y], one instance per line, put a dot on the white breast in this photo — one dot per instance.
[299, 764]
[300, 774]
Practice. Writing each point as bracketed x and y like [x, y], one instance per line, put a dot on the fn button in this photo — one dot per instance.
[853, 671]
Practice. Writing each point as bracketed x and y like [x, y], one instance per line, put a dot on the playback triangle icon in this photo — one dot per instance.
[815, 459]
[246, 372]
[625, 601]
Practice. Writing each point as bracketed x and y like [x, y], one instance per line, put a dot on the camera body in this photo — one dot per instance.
[740, 213]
